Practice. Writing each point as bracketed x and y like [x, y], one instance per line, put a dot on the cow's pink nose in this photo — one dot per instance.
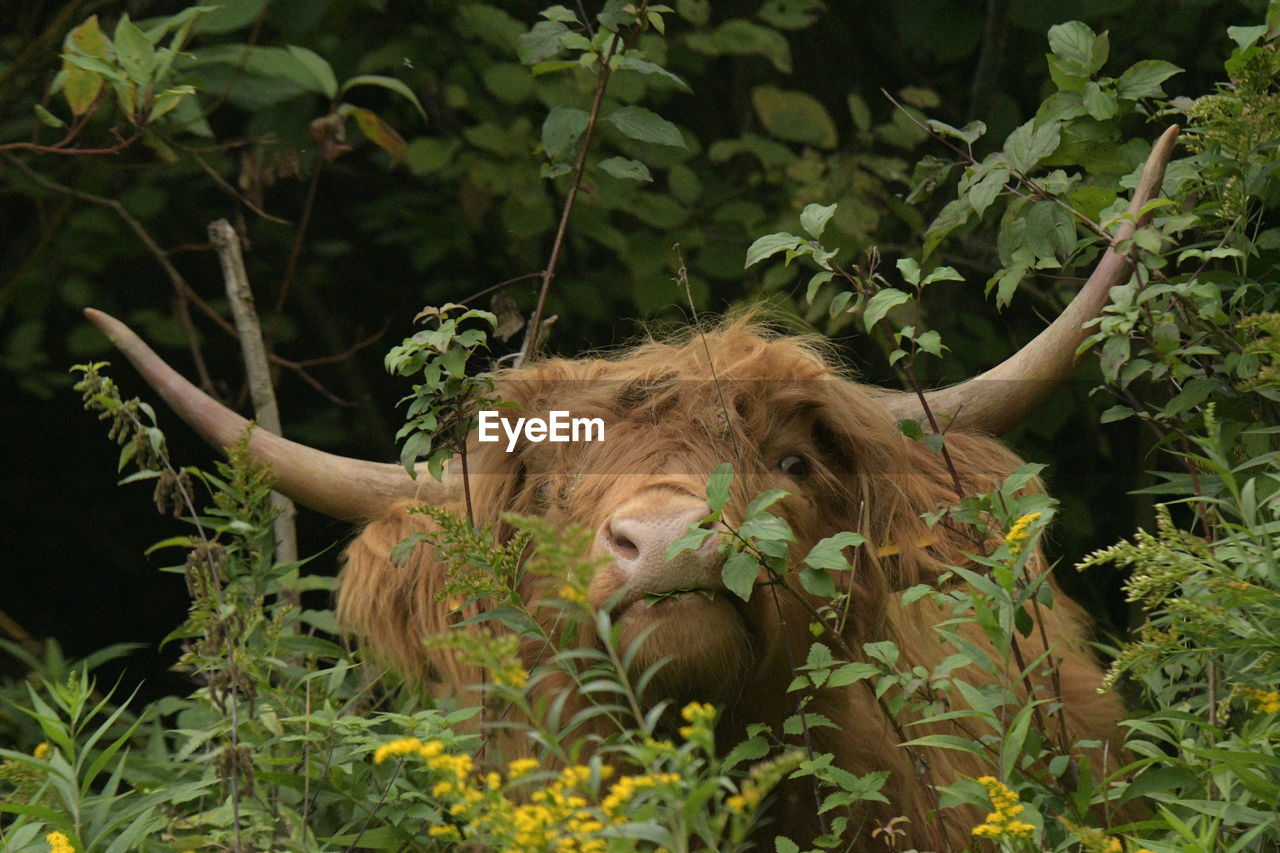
[638, 543]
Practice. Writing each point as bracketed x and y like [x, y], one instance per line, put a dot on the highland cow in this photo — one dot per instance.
[787, 418]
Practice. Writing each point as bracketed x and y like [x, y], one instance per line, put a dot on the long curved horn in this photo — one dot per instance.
[338, 486]
[1007, 394]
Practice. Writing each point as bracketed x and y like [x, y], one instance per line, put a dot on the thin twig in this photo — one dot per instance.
[530, 345]
[258, 371]
[295, 250]
[183, 291]
[185, 294]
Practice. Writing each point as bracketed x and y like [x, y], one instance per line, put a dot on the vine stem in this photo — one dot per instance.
[618, 44]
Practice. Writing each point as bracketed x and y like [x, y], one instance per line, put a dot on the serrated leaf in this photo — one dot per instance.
[561, 129]
[771, 244]
[319, 68]
[814, 218]
[646, 126]
[739, 574]
[881, 304]
[626, 169]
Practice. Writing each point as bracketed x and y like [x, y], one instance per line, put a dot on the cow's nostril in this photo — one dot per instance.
[622, 546]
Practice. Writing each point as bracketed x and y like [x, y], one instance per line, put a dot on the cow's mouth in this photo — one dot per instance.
[640, 601]
[653, 599]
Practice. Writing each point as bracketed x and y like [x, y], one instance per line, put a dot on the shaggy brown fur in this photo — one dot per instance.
[666, 428]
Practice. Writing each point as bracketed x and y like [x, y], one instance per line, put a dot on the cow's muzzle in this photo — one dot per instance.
[637, 536]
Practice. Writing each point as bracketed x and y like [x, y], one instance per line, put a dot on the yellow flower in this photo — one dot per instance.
[59, 843]
[444, 831]
[572, 594]
[1266, 701]
[511, 675]
[1001, 823]
[403, 746]
[42, 751]
[521, 767]
[1020, 533]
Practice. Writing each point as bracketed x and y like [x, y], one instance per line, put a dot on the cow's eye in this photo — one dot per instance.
[794, 466]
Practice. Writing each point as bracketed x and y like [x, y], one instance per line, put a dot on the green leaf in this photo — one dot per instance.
[692, 540]
[968, 134]
[134, 51]
[791, 14]
[819, 279]
[1245, 37]
[739, 37]
[80, 86]
[851, 673]
[47, 118]
[389, 83]
[909, 270]
[763, 502]
[739, 574]
[771, 244]
[1099, 103]
[794, 116]
[828, 553]
[644, 66]
[814, 218]
[646, 126]
[955, 742]
[718, 486]
[378, 132]
[541, 43]
[319, 68]
[561, 129]
[941, 274]
[1143, 79]
[1080, 51]
[880, 305]
[626, 169]
[817, 582]
[931, 342]
[1029, 144]
[984, 192]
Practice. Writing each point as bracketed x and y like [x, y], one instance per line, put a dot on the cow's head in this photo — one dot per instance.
[672, 411]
